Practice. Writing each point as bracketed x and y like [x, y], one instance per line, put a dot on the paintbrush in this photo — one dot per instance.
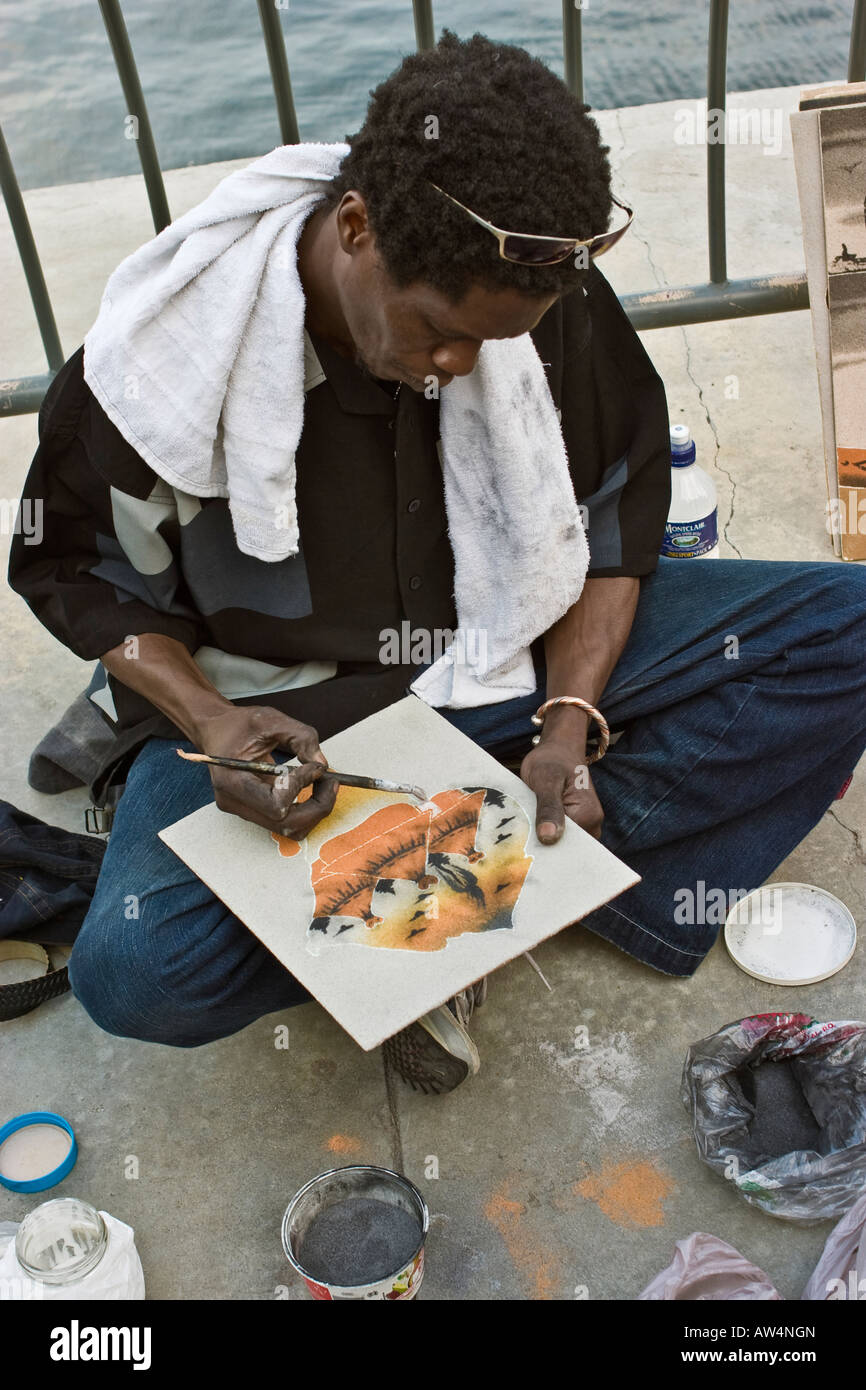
[346, 779]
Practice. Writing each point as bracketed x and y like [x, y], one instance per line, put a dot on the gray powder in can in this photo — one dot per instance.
[358, 1241]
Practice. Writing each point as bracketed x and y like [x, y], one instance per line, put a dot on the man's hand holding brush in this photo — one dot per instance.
[251, 732]
[163, 671]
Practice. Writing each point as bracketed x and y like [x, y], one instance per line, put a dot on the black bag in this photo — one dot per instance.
[824, 1173]
[47, 879]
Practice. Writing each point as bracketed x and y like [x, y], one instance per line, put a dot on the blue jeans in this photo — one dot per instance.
[742, 696]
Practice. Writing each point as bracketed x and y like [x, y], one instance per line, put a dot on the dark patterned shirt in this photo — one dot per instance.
[120, 552]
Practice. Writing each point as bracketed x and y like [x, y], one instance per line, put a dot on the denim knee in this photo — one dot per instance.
[114, 988]
[849, 583]
[183, 971]
[115, 975]
[840, 630]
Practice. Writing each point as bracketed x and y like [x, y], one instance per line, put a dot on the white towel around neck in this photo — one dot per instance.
[197, 357]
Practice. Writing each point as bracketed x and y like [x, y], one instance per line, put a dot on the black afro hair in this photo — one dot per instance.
[496, 129]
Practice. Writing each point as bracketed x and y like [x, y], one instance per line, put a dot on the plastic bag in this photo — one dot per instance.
[806, 1185]
[841, 1271]
[705, 1267]
[8, 1232]
[117, 1276]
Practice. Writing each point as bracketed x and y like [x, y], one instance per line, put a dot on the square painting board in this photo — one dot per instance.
[373, 992]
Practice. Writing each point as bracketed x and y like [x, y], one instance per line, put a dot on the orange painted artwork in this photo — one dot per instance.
[852, 467]
[409, 877]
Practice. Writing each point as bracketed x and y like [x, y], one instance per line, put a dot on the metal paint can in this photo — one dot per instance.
[339, 1185]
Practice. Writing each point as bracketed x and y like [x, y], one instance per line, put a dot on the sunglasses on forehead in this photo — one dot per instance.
[525, 249]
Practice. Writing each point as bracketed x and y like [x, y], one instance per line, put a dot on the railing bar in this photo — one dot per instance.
[425, 34]
[685, 304]
[572, 46]
[857, 49]
[128, 73]
[279, 66]
[30, 262]
[716, 103]
[24, 395]
[671, 307]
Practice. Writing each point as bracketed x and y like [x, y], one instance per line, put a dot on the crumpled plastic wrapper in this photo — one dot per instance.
[841, 1271]
[707, 1268]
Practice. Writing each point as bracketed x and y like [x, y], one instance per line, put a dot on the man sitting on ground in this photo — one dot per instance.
[409, 286]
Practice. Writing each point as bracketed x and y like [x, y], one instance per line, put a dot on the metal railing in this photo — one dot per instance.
[717, 298]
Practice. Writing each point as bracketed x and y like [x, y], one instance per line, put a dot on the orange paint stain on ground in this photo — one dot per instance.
[630, 1193]
[344, 1144]
[536, 1266]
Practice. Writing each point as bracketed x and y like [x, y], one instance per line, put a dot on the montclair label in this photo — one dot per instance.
[686, 539]
[76, 1343]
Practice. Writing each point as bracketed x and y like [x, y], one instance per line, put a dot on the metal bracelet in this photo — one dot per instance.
[604, 730]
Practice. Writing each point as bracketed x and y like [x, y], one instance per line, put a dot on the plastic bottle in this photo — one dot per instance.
[692, 529]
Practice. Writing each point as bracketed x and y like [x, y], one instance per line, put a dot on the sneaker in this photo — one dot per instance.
[436, 1053]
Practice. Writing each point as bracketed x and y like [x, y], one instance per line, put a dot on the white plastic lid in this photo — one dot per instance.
[790, 934]
[681, 436]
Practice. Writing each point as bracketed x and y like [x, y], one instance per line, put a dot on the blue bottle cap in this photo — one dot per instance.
[50, 1178]
[682, 446]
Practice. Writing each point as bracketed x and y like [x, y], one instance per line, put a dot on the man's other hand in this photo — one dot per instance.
[562, 787]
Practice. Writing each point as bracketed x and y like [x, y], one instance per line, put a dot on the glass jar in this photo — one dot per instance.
[61, 1241]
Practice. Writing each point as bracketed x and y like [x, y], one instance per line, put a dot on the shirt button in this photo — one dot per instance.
[414, 504]
[415, 582]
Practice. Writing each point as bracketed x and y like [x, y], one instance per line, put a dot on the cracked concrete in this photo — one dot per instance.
[658, 278]
[711, 371]
[577, 1084]
[715, 463]
[857, 835]
[392, 1091]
